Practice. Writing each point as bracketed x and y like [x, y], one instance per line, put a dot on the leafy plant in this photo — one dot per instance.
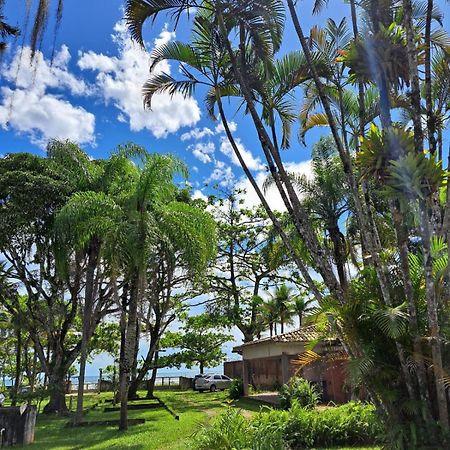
[236, 389]
[301, 391]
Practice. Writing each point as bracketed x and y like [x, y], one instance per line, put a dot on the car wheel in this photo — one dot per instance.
[213, 388]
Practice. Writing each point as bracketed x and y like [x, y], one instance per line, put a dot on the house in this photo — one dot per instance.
[270, 362]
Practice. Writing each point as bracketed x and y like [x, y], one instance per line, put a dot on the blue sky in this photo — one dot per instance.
[92, 94]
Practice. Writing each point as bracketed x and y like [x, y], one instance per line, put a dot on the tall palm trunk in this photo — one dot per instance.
[87, 325]
[432, 307]
[431, 121]
[433, 318]
[282, 179]
[286, 241]
[128, 350]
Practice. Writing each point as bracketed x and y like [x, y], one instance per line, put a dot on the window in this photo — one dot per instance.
[217, 377]
[224, 377]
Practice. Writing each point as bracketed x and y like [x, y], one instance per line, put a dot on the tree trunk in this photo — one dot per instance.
[201, 366]
[94, 248]
[433, 319]
[18, 368]
[282, 179]
[152, 381]
[132, 393]
[129, 349]
[57, 391]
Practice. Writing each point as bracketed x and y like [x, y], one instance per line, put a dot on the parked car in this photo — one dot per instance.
[196, 377]
[212, 383]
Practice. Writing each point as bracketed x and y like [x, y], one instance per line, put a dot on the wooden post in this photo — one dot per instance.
[285, 372]
[245, 367]
[100, 381]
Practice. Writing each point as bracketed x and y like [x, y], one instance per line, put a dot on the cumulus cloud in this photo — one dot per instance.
[252, 162]
[203, 151]
[222, 174]
[119, 82]
[199, 194]
[197, 133]
[221, 129]
[272, 195]
[29, 108]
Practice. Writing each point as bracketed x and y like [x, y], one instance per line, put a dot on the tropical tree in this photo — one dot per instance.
[153, 214]
[392, 165]
[90, 223]
[199, 341]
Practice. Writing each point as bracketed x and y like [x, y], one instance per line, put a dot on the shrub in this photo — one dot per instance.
[268, 430]
[354, 423]
[229, 431]
[349, 424]
[301, 390]
[236, 389]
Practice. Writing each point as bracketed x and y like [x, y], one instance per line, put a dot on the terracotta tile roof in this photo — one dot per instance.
[303, 334]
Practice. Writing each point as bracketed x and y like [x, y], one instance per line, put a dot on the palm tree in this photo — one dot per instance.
[208, 61]
[153, 213]
[283, 299]
[301, 306]
[90, 222]
[5, 31]
[270, 316]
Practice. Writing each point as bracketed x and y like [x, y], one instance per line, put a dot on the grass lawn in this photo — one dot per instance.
[160, 431]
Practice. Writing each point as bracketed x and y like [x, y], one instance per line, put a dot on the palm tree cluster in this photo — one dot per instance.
[282, 307]
[380, 245]
[92, 239]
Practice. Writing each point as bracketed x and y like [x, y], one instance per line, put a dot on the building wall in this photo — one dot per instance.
[269, 349]
[266, 373]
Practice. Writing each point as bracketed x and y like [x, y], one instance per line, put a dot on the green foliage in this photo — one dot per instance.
[199, 342]
[236, 389]
[301, 391]
[353, 423]
[232, 431]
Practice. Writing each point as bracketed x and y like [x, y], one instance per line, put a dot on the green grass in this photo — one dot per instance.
[160, 431]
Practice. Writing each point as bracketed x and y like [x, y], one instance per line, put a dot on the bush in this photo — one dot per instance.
[231, 431]
[236, 389]
[301, 390]
[353, 423]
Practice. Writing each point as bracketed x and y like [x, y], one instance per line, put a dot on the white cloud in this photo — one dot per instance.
[203, 151]
[30, 109]
[120, 79]
[199, 194]
[197, 133]
[221, 129]
[222, 175]
[272, 195]
[252, 162]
